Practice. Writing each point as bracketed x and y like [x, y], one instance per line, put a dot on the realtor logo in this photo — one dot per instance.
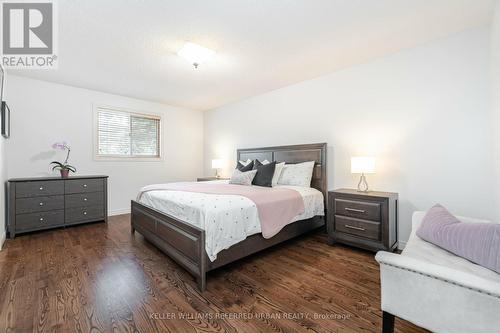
[28, 35]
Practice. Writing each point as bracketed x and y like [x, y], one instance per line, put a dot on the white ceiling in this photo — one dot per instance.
[128, 47]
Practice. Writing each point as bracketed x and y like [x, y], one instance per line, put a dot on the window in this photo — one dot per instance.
[124, 134]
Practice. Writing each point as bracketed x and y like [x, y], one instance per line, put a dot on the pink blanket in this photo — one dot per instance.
[276, 206]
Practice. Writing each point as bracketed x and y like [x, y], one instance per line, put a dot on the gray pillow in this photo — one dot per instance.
[242, 178]
[265, 173]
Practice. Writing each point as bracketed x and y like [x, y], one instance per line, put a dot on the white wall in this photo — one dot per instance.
[43, 113]
[422, 112]
[495, 66]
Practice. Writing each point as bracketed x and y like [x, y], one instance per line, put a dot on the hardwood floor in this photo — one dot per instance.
[100, 278]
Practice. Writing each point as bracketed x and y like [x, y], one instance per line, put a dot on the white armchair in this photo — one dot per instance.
[437, 290]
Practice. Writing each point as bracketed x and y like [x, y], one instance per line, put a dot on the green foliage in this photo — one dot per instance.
[61, 166]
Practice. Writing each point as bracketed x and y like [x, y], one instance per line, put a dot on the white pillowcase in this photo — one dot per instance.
[245, 163]
[242, 178]
[299, 174]
[277, 172]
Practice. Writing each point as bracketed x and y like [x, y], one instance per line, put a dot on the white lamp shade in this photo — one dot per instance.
[218, 164]
[362, 164]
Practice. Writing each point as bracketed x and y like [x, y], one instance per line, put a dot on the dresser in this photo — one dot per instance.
[368, 220]
[51, 202]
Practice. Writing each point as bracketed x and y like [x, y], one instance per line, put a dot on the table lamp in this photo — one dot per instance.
[363, 165]
[217, 164]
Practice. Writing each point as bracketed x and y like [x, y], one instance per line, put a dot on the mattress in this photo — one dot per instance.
[226, 219]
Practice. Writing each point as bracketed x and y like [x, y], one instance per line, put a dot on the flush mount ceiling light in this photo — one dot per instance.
[195, 54]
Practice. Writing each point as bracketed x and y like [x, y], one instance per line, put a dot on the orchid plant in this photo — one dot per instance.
[63, 167]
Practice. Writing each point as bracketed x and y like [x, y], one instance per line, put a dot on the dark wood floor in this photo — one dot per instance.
[100, 278]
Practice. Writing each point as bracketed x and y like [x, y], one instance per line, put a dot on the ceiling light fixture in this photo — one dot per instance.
[195, 54]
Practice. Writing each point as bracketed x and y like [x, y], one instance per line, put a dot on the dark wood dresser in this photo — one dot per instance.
[51, 202]
[366, 220]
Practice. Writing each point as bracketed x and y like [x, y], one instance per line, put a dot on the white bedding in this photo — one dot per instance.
[226, 219]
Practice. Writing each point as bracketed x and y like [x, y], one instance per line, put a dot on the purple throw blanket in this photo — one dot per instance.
[477, 242]
[276, 206]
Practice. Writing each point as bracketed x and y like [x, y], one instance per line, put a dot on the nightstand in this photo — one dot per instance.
[204, 179]
[367, 220]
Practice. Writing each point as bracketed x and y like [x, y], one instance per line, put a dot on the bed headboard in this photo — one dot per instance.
[294, 154]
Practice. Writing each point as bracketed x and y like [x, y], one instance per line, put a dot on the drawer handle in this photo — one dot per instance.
[41, 219]
[85, 185]
[85, 199]
[41, 188]
[41, 203]
[84, 213]
[353, 227]
[355, 210]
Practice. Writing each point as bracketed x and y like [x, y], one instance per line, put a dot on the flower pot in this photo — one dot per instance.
[64, 173]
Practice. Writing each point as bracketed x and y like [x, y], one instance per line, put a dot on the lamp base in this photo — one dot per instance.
[363, 184]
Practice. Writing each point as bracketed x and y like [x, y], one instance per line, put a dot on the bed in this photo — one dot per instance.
[186, 242]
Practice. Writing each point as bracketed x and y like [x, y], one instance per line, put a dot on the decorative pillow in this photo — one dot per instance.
[265, 173]
[244, 168]
[299, 174]
[242, 178]
[245, 163]
[277, 171]
[477, 242]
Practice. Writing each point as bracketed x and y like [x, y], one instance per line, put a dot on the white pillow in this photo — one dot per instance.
[242, 178]
[247, 162]
[299, 174]
[277, 172]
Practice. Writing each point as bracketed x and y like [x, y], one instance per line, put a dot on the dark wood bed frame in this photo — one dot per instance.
[185, 243]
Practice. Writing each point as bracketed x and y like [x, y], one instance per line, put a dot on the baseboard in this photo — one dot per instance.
[2, 240]
[119, 212]
[401, 245]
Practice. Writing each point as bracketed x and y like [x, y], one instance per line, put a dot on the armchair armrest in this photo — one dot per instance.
[448, 275]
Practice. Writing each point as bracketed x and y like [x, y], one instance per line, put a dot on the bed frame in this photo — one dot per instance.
[185, 243]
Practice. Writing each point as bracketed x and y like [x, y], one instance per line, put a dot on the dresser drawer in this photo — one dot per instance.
[81, 214]
[39, 220]
[358, 209]
[84, 199]
[39, 188]
[39, 204]
[353, 226]
[84, 185]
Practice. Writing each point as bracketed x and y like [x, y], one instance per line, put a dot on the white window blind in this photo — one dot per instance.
[126, 134]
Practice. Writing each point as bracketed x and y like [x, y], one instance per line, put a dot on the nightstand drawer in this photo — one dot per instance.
[84, 199]
[84, 186]
[39, 204]
[353, 226]
[358, 209]
[80, 214]
[39, 188]
[39, 220]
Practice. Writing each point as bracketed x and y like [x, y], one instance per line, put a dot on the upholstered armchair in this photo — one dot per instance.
[437, 290]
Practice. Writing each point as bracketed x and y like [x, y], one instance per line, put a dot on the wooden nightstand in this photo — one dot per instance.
[204, 179]
[366, 220]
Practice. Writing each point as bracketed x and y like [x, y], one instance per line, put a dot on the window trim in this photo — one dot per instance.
[124, 158]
